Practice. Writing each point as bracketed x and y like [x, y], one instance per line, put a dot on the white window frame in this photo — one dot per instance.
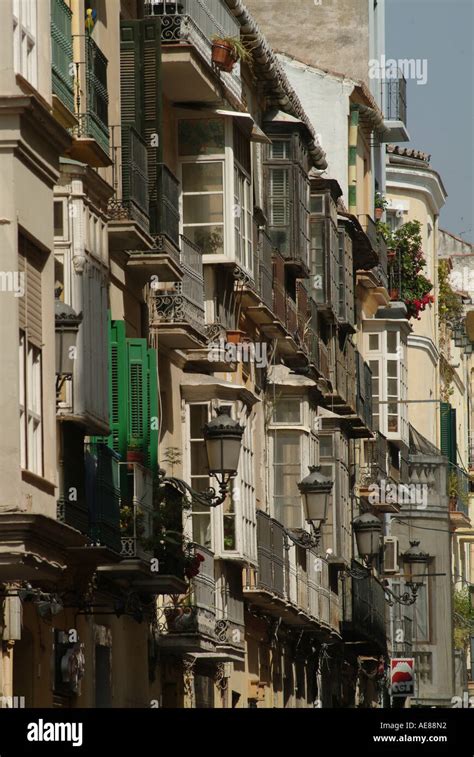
[31, 414]
[229, 191]
[382, 357]
[25, 49]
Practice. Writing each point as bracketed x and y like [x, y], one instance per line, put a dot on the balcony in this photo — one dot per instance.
[190, 623]
[102, 489]
[364, 608]
[133, 492]
[362, 422]
[163, 259]
[459, 498]
[394, 98]
[257, 294]
[61, 54]
[289, 582]
[91, 133]
[376, 470]
[136, 511]
[177, 310]
[187, 30]
[129, 223]
[377, 245]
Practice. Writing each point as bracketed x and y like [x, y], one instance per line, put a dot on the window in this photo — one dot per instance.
[59, 218]
[30, 407]
[286, 476]
[325, 257]
[201, 137]
[389, 383]
[280, 149]
[199, 474]
[287, 411]
[279, 205]
[243, 219]
[203, 204]
[24, 39]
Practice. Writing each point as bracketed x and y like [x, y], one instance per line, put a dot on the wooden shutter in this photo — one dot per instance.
[152, 98]
[30, 263]
[137, 368]
[131, 93]
[446, 430]
[152, 408]
[117, 387]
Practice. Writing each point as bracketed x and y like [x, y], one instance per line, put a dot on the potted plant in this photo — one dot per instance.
[381, 205]
[226, 51]
[135, 453]
[234, 336]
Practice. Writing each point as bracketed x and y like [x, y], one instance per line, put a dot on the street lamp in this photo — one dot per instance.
[367, 529]
[67, 323]
[415, 563]
[315, 490]
[223, 438]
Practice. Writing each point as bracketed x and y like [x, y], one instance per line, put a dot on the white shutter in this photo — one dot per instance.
[390, 555]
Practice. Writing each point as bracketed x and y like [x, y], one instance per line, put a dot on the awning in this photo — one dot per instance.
[199, 387]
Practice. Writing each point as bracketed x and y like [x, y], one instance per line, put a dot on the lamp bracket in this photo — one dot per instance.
[303, 538]
[207, 498]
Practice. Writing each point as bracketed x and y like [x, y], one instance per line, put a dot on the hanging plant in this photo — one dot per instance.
[405, 267]
[450, 306]
[226, 51]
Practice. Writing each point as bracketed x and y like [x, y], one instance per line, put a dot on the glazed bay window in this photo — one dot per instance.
[294, 447]
[325, 255]
[334, 461]
[287, 191]
[217, 195]
[31, 430]
[229, 529]
[345, 311]
[387, 361]
[25, 52]
[198, 415]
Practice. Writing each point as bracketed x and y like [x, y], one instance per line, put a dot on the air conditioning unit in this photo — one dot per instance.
[390, 558]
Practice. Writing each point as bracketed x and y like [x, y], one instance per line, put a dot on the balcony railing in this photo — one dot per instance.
[377, 243]
[103, 494]
[459, 502]
[61, 53]
[133, 205]
[136, 511]
[394, 95]
[183, 301]
[197, 22]
[167, 222]
[303, 586]
[279, 294]
[95, 119]
[265, 284]
[197, 614]
[364, 610]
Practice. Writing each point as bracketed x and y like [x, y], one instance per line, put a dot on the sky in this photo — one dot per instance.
[440, 113]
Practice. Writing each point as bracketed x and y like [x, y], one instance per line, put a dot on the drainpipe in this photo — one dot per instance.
[352, 173]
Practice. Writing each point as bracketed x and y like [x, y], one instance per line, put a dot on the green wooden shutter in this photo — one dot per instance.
[446, 430]
[138, 412]
[117, 388]
[152, 404]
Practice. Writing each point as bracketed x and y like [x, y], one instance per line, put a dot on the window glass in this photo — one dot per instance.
[326, 445]
[287, 411]
[201, 136]
[203, 205]
[201, 518]
[374, 340]
[280, 149]
[58, 218]
[316, 204]
[286, 475]
[392, 341]
[317, 259]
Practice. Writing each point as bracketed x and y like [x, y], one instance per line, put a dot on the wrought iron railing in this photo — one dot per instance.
[394, 94]
[265, 281]
[196, 612]
[90, 126]
[365, 608]
[183, 302]
[102, 487]
[459, 502]
[136, 511]
[93, 119]
[61, 53]
[197, 22]
[168, 204]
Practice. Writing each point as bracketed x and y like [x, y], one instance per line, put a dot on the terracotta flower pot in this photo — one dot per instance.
[134, 456]
[223, 55]
[394, 295]
[235, 337]
[378, 213]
